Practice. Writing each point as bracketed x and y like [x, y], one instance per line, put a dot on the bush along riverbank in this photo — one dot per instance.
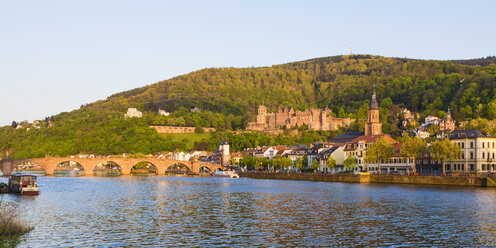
[367, 178]
[12, 227]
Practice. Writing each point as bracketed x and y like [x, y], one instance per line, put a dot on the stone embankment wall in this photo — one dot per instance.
[172, 129]
[397, 179]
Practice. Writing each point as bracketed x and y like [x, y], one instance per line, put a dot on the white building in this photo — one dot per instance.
[422, 134]
[133, 112]
[163, 112]
[477, 152]
[224, 153]
[429, 120]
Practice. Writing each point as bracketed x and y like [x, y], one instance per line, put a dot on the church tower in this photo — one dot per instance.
[372, 125]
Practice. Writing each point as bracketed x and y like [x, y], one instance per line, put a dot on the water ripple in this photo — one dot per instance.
[204, 212]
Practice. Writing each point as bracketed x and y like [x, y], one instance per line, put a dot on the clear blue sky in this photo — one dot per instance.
[57, 55]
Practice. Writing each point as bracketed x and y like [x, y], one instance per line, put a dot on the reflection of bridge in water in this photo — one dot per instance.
[89, 164]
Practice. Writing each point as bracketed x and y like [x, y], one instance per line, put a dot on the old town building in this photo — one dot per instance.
[477, 149]
[447, 123]
[373, 130]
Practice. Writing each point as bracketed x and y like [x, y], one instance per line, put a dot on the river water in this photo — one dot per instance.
[194, 211]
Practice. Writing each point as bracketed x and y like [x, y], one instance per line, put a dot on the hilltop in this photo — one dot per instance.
[228, 98]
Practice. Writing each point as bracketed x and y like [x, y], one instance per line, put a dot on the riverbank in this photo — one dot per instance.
[365, 178]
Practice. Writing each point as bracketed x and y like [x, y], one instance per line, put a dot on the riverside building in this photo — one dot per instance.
[373, 130]
[477, 149]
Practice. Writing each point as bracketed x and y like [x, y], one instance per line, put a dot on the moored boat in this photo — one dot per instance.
[229, 174]
[23, 184]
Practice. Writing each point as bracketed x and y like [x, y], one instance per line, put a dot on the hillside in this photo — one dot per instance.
[228, 98]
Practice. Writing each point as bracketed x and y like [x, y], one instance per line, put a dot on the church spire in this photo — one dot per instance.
[373, 103]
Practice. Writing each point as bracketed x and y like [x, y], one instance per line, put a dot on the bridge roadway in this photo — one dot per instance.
[50, 164]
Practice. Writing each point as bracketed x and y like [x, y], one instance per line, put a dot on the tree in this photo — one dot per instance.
[444, 150]
[305, 161]
[381, 149]
[413, 148]
[331, 163]
[14, 124]
[299, 163]
[199, 130]
[433, 129]
[491, 109]
[350, 163]
[315, 165]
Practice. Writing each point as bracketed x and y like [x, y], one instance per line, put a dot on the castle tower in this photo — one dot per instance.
[373, 126]
[224, 153]
[262, 115]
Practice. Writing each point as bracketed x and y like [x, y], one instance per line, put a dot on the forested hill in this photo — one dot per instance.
[228, 98]
[343, 82]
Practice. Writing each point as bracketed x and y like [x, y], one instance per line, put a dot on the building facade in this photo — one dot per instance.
[357, 148]
[478, 152]
[447, 123]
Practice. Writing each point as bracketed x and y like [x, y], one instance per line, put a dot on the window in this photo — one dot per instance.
[483, 144]
[463, 145]
[471, 144]
[463, 167]
[463, 155]
[471, 155]
[483, 155]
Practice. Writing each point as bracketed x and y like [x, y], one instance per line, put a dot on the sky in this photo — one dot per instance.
[57, 55]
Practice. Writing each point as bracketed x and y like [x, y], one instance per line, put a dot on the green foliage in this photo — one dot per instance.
[350, 163]
[299, 163]
[281, 162]
[228, 99]
[305, 161]
[314, 165]
[413, 148]
[331, 163]
[444, 150]
[381, 149]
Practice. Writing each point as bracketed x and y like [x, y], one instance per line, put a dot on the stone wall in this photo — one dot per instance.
[396, 179]
[173, 129]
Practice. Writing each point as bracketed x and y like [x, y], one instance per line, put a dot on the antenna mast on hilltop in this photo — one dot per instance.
[351, 48]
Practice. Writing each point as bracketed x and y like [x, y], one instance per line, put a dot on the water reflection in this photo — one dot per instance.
[185, 211]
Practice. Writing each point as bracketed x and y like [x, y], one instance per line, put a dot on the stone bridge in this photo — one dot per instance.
[50, 164]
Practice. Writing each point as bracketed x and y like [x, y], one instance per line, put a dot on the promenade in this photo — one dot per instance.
[480, 181]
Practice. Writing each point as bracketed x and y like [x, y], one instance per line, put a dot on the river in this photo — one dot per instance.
[206, 211]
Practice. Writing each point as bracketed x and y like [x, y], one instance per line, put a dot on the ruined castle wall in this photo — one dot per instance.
[172, 129]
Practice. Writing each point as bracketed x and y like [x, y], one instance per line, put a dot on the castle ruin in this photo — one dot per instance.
[287, 117]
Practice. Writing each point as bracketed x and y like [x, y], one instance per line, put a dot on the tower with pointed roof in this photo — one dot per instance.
[447, 123]
[372, 125]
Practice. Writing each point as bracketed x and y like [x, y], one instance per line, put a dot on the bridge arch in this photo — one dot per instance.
[205, 169]
[177, 168]
[69, 168]
[28, 167]
[107, 168]
[144, 168]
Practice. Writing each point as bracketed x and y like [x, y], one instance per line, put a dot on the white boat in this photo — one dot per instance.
[23, 184]
[228, 174]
